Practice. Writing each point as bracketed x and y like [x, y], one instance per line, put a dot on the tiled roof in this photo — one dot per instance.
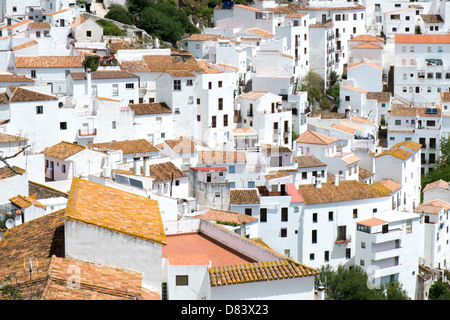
[309, 161]
[116, 210]
[311, 137]
[39, 25]
[348, 190]
[181, 145]
[367, 45]
[362, 120]
[104, 74]
[207, 156]
[63, 150]
[437, 184]
[25, 202]
[408, 144]
[422, 38]
[350, 87]
[203, 37]
[36, 240]
[277, 174]
[445, 96]
[259, 271]
[244, 196]
[19, 94]
[366, 38]
[24, 45]
[226, 216]
[351, 6]
[6, 138]
[322, 25]
[150, 108]
[127, 146]
[162, 63]
[18, 24]
[350, 159]
[48, 62]
[362, 63]
[96, 282]
[343, 128]
[252, 95]
[296, 15]
[372, 222]
[273, 149]
[388, 184]
[6, 172]
[163, 171]
[208, 68]
[15, 78]
[364, 174]
[40, 191]
[433, 207]
[58, 12]
[432, 18]
[395, 152]
[246, 7]
[261, 32]
[379, 96]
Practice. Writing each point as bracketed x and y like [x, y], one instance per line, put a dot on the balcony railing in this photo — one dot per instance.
[87, 132]
[343, 239]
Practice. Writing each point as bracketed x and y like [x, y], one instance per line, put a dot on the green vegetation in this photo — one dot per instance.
[110, 29]
[442, 170]
[9, 292]
[162, 19]
[315, 86]
[90, 63]
[352, 284]
[439, 291]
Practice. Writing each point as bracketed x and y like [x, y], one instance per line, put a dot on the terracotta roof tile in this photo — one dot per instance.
[181, 145]
[244, 196]
[364, 174]
[437, 184]
[367, 45]
[15, 78]
[39, 25]
[40, 191]
[150, 108]
[104, 74]
[408, 144]
[372, 222]
[162, 63]
[261, 32]
[422, 38]
[379, 96]
[6, 138]
[226, 216]
[366, 38]
[273, 149]
[277, 174]
[395, 152]
[63, 150]
[6, 172]
[25, 202]
[252, 95]
[433, 207]
[24, 45]
[19, 94]
[212, 157]
[432, 18]
[127, 146]
[348, 190]
[163, 171]
[309, 161]
[48, 62]
[115, 210]
[311, 137]
[350, 87]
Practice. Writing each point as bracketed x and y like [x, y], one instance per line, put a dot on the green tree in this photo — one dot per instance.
[121, 14]
[90, 63]
[439, 291]
[347, 284]
[395, 291]
[110, 29]
[442, 170]
[10, 292]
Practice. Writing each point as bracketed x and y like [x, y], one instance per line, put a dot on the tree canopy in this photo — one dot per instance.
[442, 170]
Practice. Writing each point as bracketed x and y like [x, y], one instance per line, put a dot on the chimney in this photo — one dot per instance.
[318, 183]
[336, 179]
[136, 168]
[321, 293]
[88, 83]
[146, 156]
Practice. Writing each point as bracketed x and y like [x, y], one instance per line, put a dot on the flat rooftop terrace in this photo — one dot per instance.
[191, 246]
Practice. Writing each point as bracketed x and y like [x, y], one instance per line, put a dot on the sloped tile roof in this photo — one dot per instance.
[127, 146]
[422, 38]
[433, 207]
[63, 150]
[104, 74]
[379, 96]
[437, 184]
[274, 149]
[278, 174]
[309, 161]
[116, 210]
[261, 32]
[150, 108]
[432, 18]
[181, 145]
[163, 171]
[408, 144]
[366, 38]
[39, 25]
[395, 152]
[311, 137]
[15, 78]
[226, 216]
[244, 196]
[364, 174]
[162, 63]
[19, 94]
[211, 157]
[40, 191]
[48, 62]
[25, 202]
[258, 271]
[5, 137]
[6, 172]
[24, 45]
[348, 190]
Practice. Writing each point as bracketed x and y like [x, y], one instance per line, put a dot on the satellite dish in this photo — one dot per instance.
[9, 223]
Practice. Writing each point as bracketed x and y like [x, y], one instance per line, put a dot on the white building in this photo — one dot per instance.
[386, 247]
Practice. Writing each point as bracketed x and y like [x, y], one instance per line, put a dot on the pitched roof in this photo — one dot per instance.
[309, 161]
[348, 190]
[259, 271]
[6, 172]
[362, 63]
[207, 156]
[48, 62]
[150, 108]
[116, 210]
[387, 185]
[19, 94]
[367, 45]
[395, 152]
[252, 95]
[40, 191]
[127, 146]
[273, 149]
[432, 18]
[437, 184]
[63, 150]
[163, 171]
[15, 78]
[422, 38]
[181, 145]
[364, 174]
[379, 96]
[408, 144]
[39, 25]
[244, 196]
[208, 68]
[25, 202]
[227, 216]
[433, 207]
[6, 138]
[162, 63]
[311, 137]
[261, 32]
[350, 87]
[104, 74]
[366, 38]
[277, 174]
[24, 45]
[372, 222]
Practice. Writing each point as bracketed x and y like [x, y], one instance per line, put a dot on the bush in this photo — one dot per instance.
[118, 13]
[110, 29]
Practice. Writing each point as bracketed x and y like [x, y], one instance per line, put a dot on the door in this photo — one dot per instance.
[52, 172]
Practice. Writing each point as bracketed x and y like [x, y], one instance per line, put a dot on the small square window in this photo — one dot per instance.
[39, 109]
[182, 280]
[63, 126]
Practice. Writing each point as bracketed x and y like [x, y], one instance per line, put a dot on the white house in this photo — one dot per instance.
[437, 190]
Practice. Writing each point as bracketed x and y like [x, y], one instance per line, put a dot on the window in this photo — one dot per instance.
[347, 98]
[355, 213]
[213, 121]
[63, 168]
[63, 126]
[398, 122]
[177, 182]
[314, 217]
[176, 84]
[33, 74]
[311, 256]
[114, 125]
[115, 90]
[330, 216]
[283, 232]
[39, 109]
[225, 120]
[231, 169]
[263, 215]
[304, 175]
[220, 103]
[363, 244]
[181, 280]
[189, 82]
[198, 100]
[219, 84]
[348, 253]
[284, 214]
[88, 33]
[209, 85]
[251, 184]
[248, 211]
[326, 256]
[129, 85]
[190, 100]
[314, 236]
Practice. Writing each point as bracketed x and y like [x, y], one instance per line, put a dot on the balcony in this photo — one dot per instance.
[343, 239]
[391, 235]
[86, 133]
